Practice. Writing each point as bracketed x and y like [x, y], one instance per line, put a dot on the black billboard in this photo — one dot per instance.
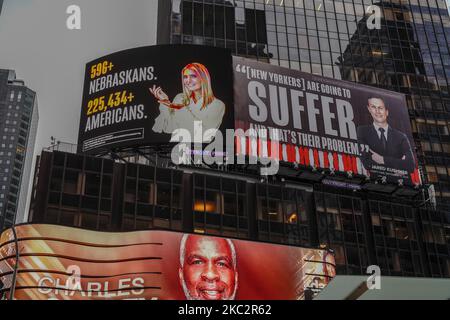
[141, 96]
[324, 123]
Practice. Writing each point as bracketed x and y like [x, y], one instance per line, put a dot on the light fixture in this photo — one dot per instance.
[292, 218]
[201, 206]
[378, 53]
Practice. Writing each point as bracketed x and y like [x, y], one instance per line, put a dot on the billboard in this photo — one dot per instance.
[323, 123]
[57, 262]
[140, 96]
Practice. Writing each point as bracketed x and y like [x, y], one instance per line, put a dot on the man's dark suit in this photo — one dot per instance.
[398, 154]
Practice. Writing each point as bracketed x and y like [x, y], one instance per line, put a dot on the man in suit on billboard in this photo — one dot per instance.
[387, 146]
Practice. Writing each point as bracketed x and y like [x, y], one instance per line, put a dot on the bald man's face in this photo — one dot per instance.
[208, 272]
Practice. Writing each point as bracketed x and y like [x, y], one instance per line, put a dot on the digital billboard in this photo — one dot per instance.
[141, 96]
[63, 263]
[324, 123]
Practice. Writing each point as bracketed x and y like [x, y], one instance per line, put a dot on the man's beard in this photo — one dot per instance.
[190, 297]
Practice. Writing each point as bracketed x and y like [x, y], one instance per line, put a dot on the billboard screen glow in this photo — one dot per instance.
[64, 263]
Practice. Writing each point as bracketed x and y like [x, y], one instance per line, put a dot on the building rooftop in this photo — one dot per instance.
[391, 288]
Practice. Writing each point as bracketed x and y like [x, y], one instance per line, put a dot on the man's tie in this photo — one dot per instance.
[383, 139]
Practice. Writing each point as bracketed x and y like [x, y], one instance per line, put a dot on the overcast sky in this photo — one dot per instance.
[35, 42]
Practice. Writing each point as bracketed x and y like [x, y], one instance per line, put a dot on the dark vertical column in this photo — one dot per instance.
[34, 192]
[163, 28]
[310, 207]
[187, 218]
[118, 191]
[368, 233]
[252, 211]
[41, 186]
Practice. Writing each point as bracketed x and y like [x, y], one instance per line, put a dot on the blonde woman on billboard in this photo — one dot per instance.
[196, 103]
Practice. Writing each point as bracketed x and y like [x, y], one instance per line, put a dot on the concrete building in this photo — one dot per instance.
[18, 125]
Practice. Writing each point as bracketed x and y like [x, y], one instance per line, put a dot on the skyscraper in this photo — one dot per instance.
[410, 52]
[18, 126]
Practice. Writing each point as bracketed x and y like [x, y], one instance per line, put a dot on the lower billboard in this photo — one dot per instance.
[45, 262]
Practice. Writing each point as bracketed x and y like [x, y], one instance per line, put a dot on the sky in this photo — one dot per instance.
[35, 42]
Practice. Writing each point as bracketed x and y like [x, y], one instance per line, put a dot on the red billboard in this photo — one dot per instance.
[63, 263]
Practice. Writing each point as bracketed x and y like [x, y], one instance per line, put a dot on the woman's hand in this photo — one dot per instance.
[159, 94]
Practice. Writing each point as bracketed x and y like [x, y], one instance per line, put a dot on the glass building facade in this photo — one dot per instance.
[399, 45]
[408, 53]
